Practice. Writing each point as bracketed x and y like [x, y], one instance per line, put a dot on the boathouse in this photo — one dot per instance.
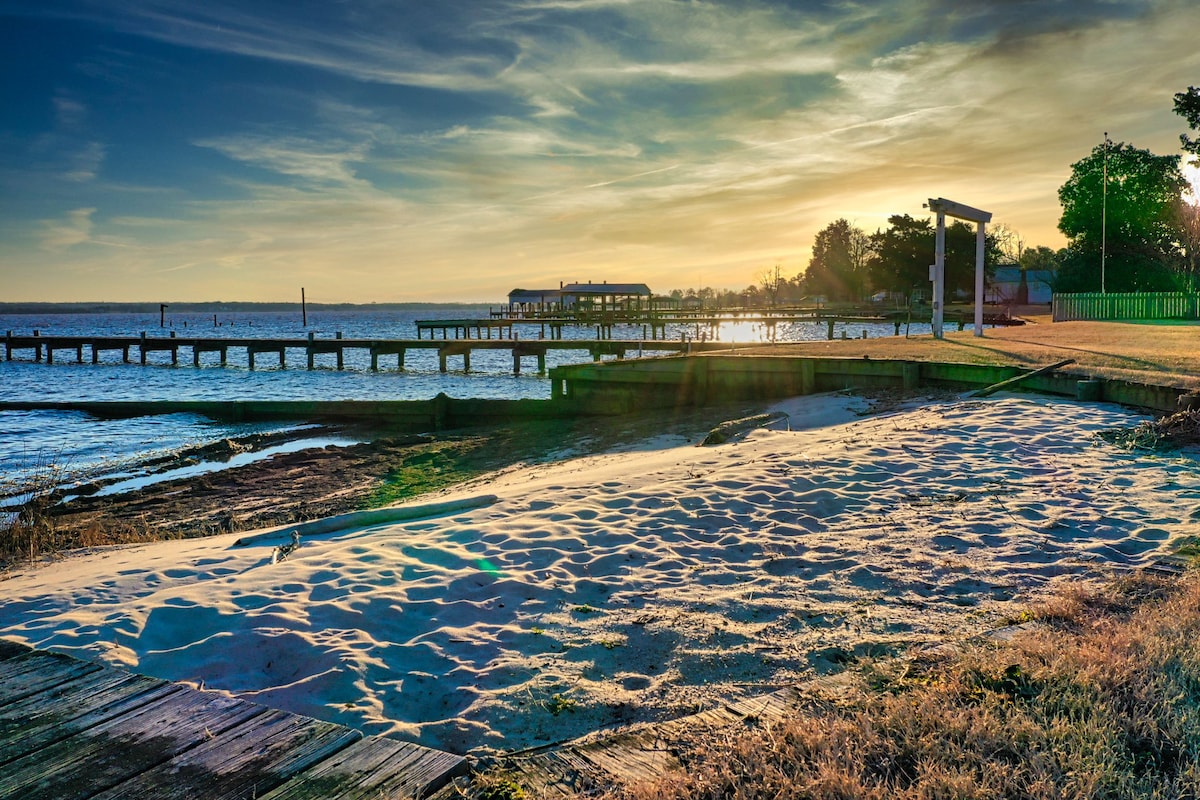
[606, 296]
[528, 301]
[582, 297]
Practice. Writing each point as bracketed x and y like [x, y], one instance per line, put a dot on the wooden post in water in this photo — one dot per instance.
[303, 308]
[162, 315]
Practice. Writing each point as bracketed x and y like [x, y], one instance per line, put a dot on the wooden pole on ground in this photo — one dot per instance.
[995, 387]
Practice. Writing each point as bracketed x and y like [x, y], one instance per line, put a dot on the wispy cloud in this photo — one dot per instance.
[85, 163]
[75, 229]
[510, 138]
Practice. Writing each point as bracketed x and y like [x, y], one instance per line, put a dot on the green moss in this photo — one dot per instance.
[560, 703]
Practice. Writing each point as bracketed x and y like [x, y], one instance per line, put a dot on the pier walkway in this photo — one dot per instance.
[72, 729]
[45, 347]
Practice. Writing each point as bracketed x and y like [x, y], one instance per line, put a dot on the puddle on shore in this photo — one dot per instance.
[205, 467]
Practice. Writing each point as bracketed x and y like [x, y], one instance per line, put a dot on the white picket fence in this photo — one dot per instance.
[1126, 306]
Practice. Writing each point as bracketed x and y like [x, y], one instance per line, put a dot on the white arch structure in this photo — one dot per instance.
[937, 273]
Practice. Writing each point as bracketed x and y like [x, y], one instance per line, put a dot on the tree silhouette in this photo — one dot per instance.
[837, 268]
[905, 250]
[1187, 105]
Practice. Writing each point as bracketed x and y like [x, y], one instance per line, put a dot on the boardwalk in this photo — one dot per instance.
[72, 729]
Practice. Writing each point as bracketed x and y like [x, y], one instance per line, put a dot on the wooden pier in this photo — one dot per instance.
[72, 729]
[45, 348]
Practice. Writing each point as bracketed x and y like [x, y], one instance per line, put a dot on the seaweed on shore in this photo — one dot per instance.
[1171, 432]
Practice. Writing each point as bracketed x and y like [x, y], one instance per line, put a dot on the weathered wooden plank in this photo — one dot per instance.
[35, 672]
[247, 760]
[374, 768]
[96, 758]
[630, 759]
[57, 713]
[11, 649]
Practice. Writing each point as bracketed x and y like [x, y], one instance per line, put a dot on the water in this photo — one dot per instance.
[43, 449]
[35, 445]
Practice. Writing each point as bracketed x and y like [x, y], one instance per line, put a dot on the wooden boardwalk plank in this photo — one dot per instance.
[35, 672]
[71, 730]
[11, 649]
[94, 758]
[375, 768]
[248, 760]
[57, 713]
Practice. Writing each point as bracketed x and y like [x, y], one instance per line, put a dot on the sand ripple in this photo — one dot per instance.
[637, 585]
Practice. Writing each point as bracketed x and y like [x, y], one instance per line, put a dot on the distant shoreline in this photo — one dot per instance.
[213, 306]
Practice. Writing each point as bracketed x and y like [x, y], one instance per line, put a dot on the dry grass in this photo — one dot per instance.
[34, 536]
[29, 531]
[1102, 702]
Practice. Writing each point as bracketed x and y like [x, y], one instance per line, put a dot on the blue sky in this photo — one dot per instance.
[453, 150]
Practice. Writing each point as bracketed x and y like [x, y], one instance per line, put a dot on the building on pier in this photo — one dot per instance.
[572, 297]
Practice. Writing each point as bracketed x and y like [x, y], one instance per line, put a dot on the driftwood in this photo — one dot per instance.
[727, 430]
[996, 387]
[375, 516]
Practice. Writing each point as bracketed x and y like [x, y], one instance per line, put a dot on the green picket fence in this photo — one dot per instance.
[1126, 306]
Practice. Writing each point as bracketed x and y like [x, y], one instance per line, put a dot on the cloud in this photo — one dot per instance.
[69, 113]
[503, 141]
[85, 163]
[59, 235]
[324, 162]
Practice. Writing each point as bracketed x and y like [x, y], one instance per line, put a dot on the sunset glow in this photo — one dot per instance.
[414, 151]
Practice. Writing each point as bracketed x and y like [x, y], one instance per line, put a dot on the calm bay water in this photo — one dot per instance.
[33, 444]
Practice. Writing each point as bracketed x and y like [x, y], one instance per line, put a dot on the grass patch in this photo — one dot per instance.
[1100, 701]
[431, 467]
[560, 703]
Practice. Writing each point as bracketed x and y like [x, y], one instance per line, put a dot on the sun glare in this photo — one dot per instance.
[1192, 173]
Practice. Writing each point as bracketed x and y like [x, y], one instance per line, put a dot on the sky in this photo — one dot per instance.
[409, 150]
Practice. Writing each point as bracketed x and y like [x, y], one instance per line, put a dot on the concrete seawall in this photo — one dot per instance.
[685, 382]
[440, 413]
[613, 388]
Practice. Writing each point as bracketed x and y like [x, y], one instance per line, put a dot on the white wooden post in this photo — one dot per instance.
[980, 240]
[939, 275]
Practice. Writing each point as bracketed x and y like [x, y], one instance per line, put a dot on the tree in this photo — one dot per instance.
[771, 281]
[1187, 105]
[838, 267]
[1009, 243]
[1188, 220]
[1040, 258]
[904, 252]
[1141, 235]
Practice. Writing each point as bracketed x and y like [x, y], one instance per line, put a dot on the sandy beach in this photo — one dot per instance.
[639, 584]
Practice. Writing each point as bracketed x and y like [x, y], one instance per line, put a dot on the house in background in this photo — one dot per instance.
[1011, 285]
